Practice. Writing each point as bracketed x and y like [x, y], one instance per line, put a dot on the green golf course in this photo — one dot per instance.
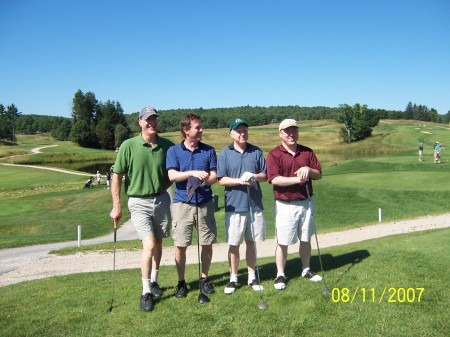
[394, 286]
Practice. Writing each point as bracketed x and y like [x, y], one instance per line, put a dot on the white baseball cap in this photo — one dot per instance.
[287, 123]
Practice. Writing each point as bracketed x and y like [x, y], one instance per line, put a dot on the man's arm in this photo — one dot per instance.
[116, 184]
[178, 176]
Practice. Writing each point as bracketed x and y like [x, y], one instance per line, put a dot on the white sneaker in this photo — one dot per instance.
[255, 285]
[280, 283]
[230, 288]
[312, 276]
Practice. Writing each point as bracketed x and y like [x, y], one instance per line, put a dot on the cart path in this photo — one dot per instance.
[30, 263]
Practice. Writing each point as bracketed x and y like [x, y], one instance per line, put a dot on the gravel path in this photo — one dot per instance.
[29, 263]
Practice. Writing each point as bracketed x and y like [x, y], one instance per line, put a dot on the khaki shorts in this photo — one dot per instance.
[184, 218]
[151, 216]
[294, 220]
[238, 227]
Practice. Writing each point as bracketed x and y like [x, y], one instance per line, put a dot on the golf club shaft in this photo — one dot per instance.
[114, 266]
[250, 209]
[315, 234]
[198, 237]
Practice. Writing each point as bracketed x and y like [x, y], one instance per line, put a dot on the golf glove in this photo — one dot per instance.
[247, 176]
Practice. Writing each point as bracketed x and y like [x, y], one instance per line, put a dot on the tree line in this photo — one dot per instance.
[97, 124]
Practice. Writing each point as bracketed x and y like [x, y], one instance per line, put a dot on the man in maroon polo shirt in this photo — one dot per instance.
[291, 167]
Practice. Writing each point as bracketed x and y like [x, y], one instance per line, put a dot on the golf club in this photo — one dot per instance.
[202, 298]
[262, 305]
[114, 267]
[326, 291]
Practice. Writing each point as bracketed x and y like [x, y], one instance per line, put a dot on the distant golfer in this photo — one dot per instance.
[192, 158]
[142, 160]
[290, 166]
[240, 165]
[437, 152]
[99, 177]
[420, 151]
[108, 179]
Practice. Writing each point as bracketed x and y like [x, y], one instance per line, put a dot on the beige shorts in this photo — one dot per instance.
[151, 216]
[294, 220]
[184, 218]
[238, 227]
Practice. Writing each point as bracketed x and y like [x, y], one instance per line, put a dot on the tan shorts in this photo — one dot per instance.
[294, 220]
[184, 218]
[238, 227]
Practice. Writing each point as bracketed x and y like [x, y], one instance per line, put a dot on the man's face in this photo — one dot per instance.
[240, 134]
[149, 125]
[289, 136]
[195, 132]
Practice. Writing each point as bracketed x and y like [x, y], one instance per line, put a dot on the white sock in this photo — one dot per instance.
[154, 276]
[304, 271]
[233, 278]
[251, 277]
[145, 286]
[280, 274]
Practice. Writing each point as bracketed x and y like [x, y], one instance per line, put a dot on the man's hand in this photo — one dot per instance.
[248, 176]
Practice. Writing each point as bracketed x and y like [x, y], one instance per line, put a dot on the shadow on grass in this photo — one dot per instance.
[330, 262]
[268, 271]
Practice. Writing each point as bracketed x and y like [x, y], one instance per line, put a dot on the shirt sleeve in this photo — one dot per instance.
[273, 169]
[213, 160]
[171, 159]
[221, 165]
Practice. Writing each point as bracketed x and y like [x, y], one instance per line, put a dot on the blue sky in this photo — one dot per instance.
[190, 54]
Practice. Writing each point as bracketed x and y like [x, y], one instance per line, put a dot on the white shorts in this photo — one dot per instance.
[238, 227]
[294, 220]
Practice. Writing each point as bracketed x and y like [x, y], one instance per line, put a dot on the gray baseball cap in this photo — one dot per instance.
[147, 112]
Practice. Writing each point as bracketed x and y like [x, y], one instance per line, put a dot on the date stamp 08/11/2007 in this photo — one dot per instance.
[373, 295]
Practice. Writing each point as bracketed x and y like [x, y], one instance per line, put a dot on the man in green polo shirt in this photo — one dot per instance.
[142, 161]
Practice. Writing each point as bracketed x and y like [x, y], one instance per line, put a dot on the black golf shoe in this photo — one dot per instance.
[155, 290]
[312, 276]
[206, 286]
[146, 302]
[230, 288]
[280, 283]
[181, 289]
[255, 285]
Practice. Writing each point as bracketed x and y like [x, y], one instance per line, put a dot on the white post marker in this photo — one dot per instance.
[79, 235]
[379, 214]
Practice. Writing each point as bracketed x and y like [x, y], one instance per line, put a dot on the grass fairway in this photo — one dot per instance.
[41, 206]
[76, 305]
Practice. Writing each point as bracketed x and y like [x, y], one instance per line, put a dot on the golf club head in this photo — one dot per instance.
[326, 292]
[262, 305]
[202, 298]
[110, 308]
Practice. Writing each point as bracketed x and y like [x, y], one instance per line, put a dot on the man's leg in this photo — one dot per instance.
[156, 261]
[206, 257]
[233, 259]
[305, 257]
[250, 256]
[148, 246]
[305, 253]
[157, 254]
[180, 261]
[280, 257]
